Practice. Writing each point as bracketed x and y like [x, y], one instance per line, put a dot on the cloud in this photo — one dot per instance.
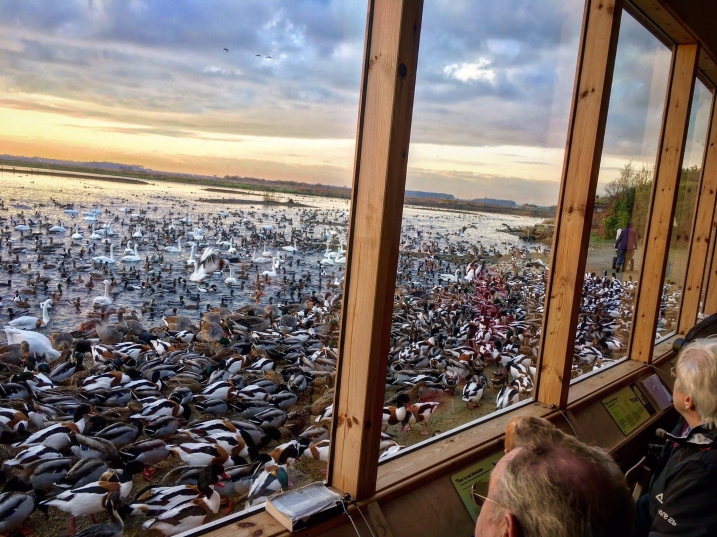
[490, 74]
[466, 72]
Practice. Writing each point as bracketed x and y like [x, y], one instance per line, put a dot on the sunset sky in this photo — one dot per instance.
[149, 83]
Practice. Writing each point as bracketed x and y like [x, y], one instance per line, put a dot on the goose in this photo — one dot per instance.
[175, 249]
[105, 299]
[133, 257]
[27, 322]
[231, 280]
[104, 259]
[38, 343]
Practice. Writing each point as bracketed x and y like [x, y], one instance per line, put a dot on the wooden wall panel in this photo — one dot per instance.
[661, 211]
[386, 108]
[596, 60]
[701, 230]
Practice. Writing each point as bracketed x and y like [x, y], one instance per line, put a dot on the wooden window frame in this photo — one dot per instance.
[702, 226]
[388, 83]
[663, 199]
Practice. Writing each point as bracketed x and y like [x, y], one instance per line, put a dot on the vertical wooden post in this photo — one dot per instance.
[702, 229]
[586, 132]
[661, 210]
[385, 113]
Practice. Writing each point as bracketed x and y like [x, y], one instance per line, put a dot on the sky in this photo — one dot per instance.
[150, 83]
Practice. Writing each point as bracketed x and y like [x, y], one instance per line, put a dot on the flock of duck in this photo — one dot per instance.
[201, 378]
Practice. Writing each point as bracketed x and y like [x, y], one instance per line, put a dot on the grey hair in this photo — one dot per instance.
[559, 486]
[697, 377]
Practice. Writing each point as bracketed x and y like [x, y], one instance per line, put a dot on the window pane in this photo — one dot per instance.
[676, 269]
[627, 166]
[493, 94]
[220, 100]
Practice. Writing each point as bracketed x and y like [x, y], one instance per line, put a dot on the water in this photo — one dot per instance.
[152, 208]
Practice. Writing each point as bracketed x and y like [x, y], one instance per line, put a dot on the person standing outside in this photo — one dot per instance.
[626, 245]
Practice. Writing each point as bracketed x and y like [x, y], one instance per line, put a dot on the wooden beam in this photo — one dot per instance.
[385, 113]
[661, 210]
[709, 169]
[586, 132]
[702, 229]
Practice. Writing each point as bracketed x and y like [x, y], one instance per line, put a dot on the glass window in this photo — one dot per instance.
[492, 103]
[625, 180]
[676, 269]
[137, 134]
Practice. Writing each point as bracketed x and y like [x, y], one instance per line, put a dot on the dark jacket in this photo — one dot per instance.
[627, 239]
[683, 493]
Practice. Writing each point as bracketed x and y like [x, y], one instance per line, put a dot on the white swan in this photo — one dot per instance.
[133, 257]
[137, 234]
[271, 273]
[104, 258]
[191, 255]
[450, 277]
[109, 232]
[129, 249]
[174, 249]
[260, 259]
[76, 235]
[59, 228]
[27, 322]
[95, 236]
[105, 299]
[231, 280]
[38, 342]
[290, 248]
[231, 249]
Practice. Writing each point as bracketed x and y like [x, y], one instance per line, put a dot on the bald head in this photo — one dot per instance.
[556, 485]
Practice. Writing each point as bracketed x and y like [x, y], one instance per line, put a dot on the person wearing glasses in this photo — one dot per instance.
[551, 484]
[682, 498]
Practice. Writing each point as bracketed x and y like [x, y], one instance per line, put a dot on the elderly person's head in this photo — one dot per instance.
[523, 430]
[695, 390]
[554, 485]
